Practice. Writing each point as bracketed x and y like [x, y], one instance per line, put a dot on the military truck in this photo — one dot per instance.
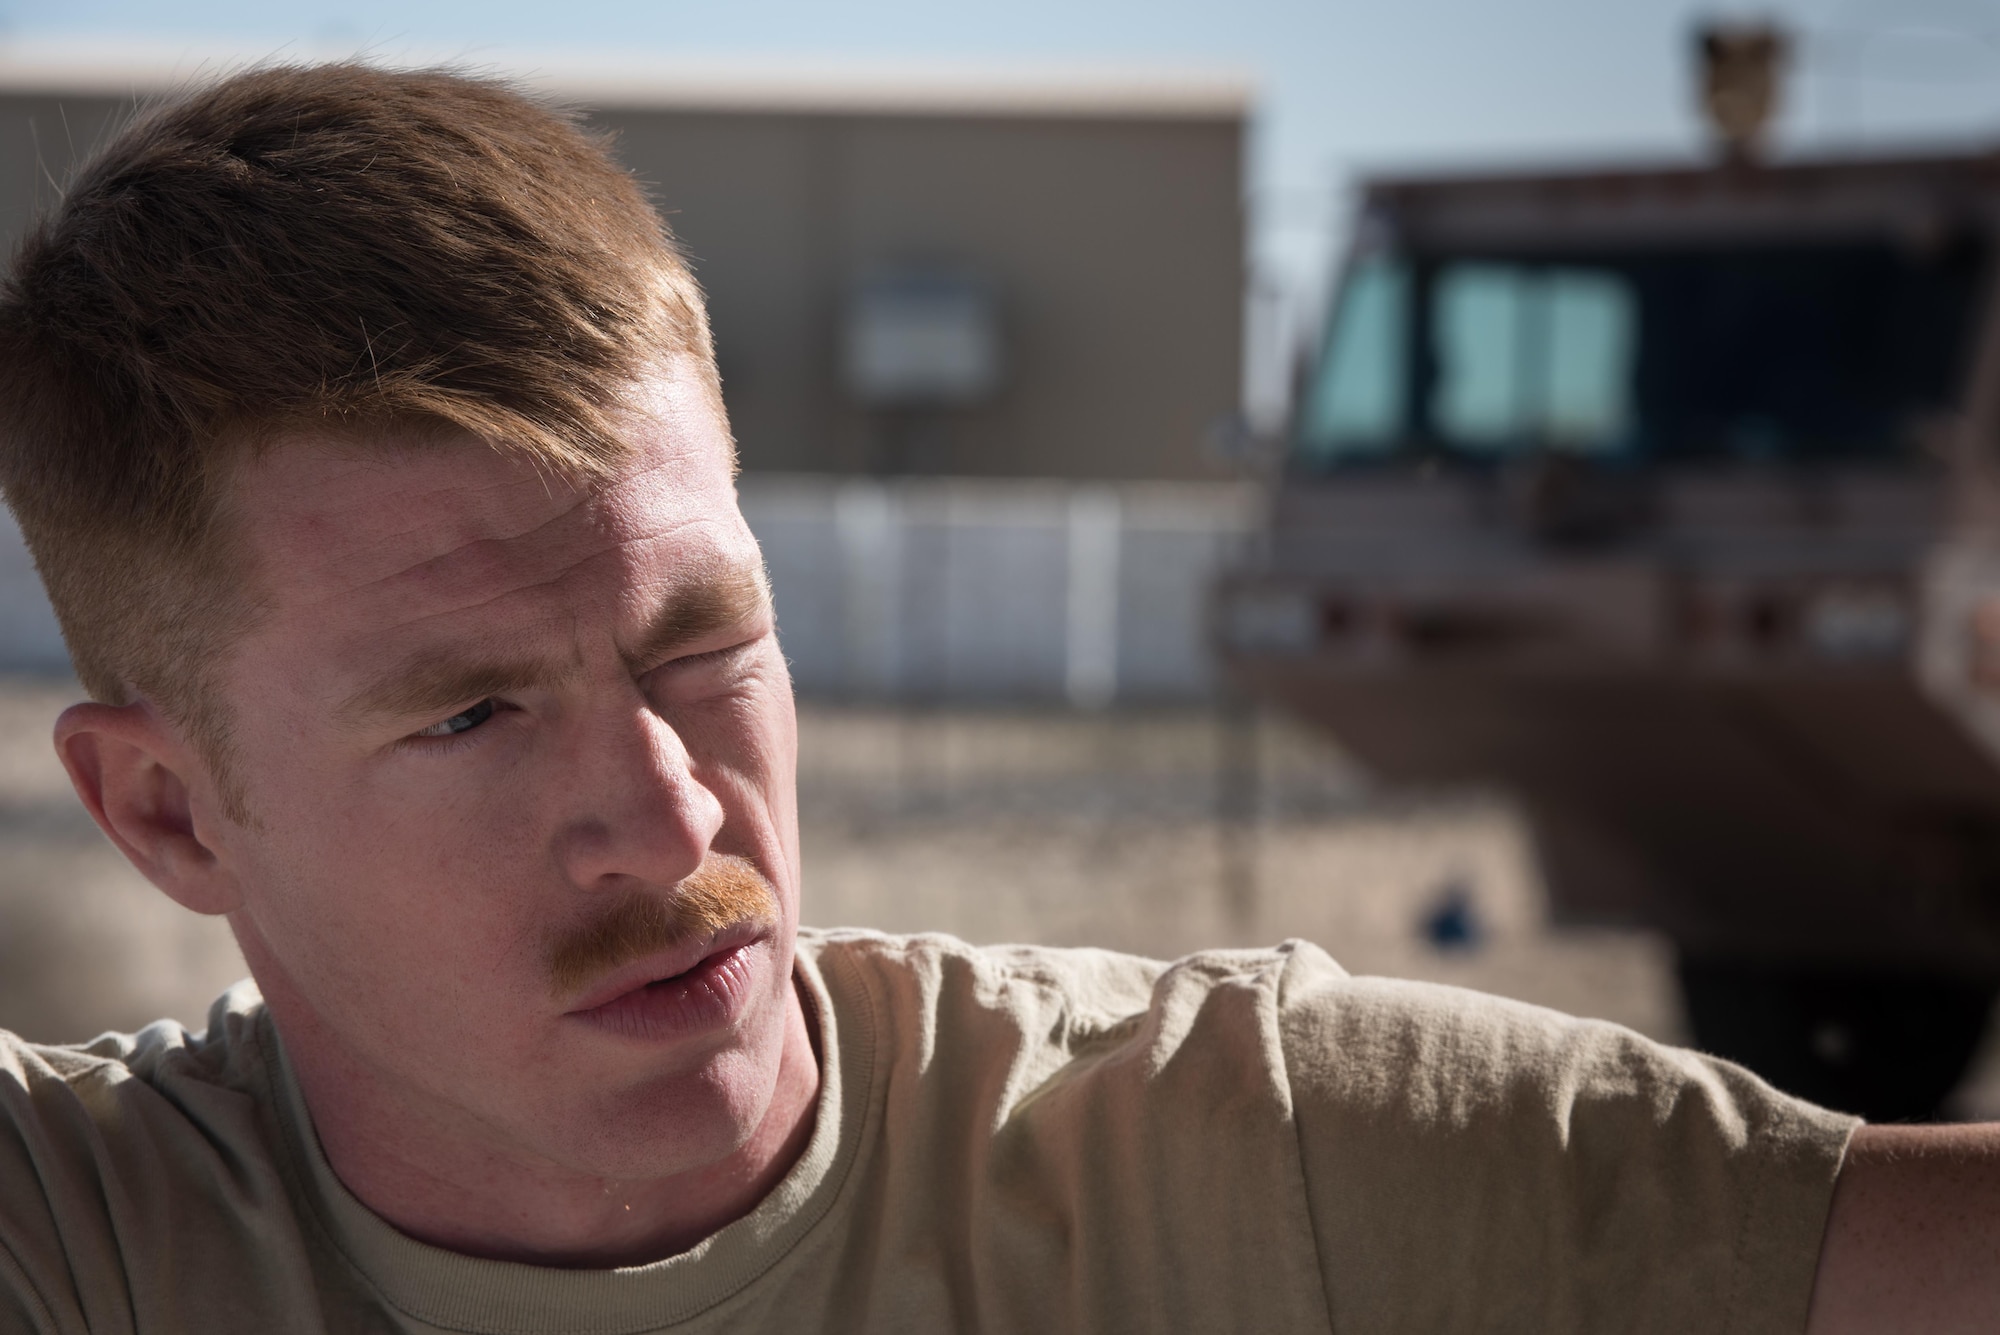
[1669, 499]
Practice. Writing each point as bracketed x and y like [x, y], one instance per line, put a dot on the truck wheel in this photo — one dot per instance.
[1889, 1047]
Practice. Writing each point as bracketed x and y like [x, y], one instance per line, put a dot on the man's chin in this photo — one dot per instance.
[703, 1107]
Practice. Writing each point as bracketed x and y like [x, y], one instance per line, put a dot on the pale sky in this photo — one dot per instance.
[1344, 84]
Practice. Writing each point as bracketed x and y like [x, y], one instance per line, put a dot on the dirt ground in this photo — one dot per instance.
[1159, 832]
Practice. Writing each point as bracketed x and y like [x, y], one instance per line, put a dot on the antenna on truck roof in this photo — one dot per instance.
[1740, 65]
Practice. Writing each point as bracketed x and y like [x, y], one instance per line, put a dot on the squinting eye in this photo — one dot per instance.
[463, 722]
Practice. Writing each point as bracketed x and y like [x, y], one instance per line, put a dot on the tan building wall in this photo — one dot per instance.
[1107, 224]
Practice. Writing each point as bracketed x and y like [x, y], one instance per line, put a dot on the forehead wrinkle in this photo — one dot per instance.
[704, 558]
[598, 513]
[524, 494]
[488, 596]
[420, 524]
[347, 487]
[479, 604]
[465, 551]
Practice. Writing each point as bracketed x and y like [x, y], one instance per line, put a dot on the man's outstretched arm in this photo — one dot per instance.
[1913, 1240]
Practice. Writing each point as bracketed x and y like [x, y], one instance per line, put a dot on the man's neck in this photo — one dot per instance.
[480, 1196]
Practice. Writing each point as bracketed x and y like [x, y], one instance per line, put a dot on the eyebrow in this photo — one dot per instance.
[699, 610]
[430, 682]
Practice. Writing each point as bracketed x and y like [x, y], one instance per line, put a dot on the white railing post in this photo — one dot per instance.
[1090, 657]
[868, 529]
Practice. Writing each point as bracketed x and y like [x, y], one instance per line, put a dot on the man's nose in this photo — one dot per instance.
[637, 813]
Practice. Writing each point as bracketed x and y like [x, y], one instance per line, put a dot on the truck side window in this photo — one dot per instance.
[1355, 404]
[1483, 347]
[1533, 357]
[1593, 324]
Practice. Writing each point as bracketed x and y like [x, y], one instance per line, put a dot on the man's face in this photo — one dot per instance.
[514, 753]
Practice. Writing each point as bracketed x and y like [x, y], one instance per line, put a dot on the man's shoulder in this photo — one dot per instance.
[164, 1057]
[1050, 1013]
[1055, 1094]
[133, 1160]
[935, 969]
[936, 965]
[126, 1109]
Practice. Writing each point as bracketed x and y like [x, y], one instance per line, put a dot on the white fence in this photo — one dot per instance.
[936, 589]
[969, 589]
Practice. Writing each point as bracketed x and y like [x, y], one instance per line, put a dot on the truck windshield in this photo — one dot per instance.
[1752, 355]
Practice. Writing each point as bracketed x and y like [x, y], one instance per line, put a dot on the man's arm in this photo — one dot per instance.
[1913, 1240]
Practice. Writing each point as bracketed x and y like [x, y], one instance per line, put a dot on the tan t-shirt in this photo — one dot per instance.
[1007, 1139]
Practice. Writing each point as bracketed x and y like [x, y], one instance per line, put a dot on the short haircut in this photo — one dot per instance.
[330, 247]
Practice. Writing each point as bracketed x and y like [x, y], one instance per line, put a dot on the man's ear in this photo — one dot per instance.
[134, 775]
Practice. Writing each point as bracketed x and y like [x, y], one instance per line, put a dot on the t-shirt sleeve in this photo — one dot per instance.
[22, 1311]
[38, 1289]
[1479, 1164]
[139, 1189]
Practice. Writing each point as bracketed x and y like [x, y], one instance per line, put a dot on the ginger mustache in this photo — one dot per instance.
[725, 891]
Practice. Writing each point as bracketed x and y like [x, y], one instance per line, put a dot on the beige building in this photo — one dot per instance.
[932, 271]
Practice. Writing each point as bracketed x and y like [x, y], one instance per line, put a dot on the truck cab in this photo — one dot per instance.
[1666, 500]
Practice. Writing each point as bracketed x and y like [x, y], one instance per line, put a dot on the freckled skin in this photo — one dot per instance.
[393, 900]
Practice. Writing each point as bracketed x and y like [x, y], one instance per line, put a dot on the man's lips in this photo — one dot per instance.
[662, 966]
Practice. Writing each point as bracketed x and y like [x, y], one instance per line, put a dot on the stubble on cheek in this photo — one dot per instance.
[725, 891]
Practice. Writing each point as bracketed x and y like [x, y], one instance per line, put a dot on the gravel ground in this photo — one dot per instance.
[1159, 832]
